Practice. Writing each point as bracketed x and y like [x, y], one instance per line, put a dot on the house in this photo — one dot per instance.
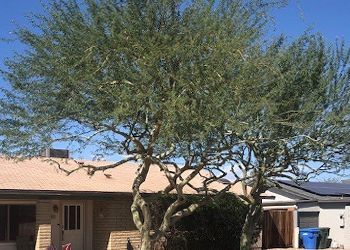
[310, 204]
[40, 205]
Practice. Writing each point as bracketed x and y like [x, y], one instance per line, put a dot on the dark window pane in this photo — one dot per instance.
[3, 222]
[78, 217]
[72, 217]
[65, 217]
[22, 221]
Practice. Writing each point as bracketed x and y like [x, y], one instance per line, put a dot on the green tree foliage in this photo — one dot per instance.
[131, 64]
[172, 81]
[213, 226]
[297, 120]
[154, 80]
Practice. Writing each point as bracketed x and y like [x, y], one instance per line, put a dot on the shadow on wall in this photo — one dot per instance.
[128, 245]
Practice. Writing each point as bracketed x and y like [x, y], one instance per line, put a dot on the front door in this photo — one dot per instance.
[72, 221]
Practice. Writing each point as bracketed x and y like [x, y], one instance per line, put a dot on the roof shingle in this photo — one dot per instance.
[41, 174]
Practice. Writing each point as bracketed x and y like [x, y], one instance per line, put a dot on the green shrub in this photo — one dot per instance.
[216, 225]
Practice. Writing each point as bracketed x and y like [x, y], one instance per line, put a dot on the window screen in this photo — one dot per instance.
[3, 222]
[22, 221]
[17, 221]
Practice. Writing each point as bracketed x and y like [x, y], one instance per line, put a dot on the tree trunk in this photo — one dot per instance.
[250, 224]
[146, 242]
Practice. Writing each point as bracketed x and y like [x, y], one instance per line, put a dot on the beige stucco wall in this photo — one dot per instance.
[113, 225]
[347, 227]
[330, 217]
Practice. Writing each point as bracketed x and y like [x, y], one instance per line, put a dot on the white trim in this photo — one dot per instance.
[279, 207]
[82, 204]
[296, 229]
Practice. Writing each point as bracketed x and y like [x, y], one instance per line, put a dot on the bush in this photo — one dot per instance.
[214, 226]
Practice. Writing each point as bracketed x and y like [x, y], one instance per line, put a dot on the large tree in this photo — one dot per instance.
[157, 81]
[297, 120]
[183, 86]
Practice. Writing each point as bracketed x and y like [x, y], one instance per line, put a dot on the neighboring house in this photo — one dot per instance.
[311, 204]
[41, 205]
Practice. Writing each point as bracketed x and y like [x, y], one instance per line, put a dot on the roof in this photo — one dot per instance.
[322, 188]
[43, 175]
[317, 191]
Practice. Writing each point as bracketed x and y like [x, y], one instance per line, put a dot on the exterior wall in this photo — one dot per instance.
[279, 195]
[107, 223]
[43, 225]
[113, 225]
[347, 227]
[334, 215]
[308, 207]
[330, 216]
[55, 223]
[88, 237]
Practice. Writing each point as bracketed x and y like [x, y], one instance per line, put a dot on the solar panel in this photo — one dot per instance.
[322, 188]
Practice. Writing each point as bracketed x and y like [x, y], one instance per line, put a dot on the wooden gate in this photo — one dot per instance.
[278, 228]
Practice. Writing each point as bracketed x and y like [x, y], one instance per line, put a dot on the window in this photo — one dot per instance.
[17, 221]
[72, 217]
[3, 223]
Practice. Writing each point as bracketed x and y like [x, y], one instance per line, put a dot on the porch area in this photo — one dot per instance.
[99, 224]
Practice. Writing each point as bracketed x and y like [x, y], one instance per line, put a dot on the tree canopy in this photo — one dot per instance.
[129, 65]
[296, 120]
[184, 86]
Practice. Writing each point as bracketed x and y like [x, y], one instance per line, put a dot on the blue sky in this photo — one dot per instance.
[329, 17]
[12, 12]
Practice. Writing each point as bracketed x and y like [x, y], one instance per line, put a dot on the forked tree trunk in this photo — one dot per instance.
[140, 206]
[250, 223]
[146, 242]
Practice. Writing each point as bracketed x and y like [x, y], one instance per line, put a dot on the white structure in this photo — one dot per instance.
[315, 204]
